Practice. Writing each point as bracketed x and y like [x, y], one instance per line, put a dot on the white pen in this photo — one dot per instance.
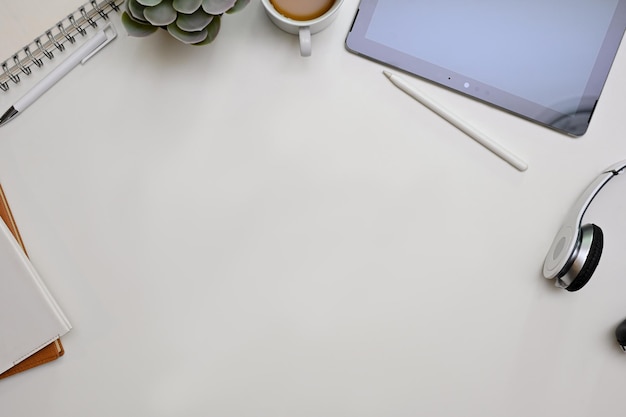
[458, 123]
[82, 54]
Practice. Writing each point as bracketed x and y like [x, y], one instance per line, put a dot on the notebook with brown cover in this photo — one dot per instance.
[53, 350]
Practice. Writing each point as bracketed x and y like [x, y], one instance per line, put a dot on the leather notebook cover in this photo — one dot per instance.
[53, 350]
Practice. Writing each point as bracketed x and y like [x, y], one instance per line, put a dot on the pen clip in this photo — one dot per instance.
[110, 35]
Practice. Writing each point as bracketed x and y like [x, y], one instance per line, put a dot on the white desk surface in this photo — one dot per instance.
[234, 230]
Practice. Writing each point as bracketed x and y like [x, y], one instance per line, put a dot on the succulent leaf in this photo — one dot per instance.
[149, 3]
[212, 31]
[240, 4]
[135, 10]
[194, 22]
[162, 14]
[186, 37]
[187, 6]
[135, 28]
[217, 7]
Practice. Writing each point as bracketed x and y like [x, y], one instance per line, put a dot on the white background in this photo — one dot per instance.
[234, 230]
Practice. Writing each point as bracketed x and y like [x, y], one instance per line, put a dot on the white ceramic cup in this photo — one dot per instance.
[303, 28]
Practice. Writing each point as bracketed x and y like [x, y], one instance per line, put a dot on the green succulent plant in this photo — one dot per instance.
[195, 22]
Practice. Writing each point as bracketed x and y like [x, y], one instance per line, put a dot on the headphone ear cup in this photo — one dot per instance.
[593, 256]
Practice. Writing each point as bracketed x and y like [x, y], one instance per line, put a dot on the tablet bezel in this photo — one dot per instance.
[574, 123]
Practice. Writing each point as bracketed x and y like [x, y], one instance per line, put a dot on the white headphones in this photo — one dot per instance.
[576, 249]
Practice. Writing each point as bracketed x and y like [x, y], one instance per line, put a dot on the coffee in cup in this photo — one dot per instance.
[302, 17]
[302, 9]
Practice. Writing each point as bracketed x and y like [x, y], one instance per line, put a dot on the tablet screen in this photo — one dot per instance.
[546, 60]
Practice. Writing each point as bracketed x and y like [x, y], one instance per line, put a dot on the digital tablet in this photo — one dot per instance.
[545, 60]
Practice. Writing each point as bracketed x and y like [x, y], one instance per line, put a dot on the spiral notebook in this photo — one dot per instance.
[53, 41]
[30, 62]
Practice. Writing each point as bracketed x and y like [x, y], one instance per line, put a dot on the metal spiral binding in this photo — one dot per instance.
[55, 38]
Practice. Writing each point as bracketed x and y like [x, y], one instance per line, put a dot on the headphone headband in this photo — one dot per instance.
[564, 244]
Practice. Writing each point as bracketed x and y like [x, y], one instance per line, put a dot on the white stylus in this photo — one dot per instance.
[80, 56]
[458, 123]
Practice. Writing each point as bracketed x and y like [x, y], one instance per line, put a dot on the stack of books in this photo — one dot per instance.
[31, 322]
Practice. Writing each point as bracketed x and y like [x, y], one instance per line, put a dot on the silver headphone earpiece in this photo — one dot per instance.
[574, 244]
[579, 263]
[584, 260]
[576, 250]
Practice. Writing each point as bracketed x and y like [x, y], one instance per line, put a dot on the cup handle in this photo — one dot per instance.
[305, 41]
